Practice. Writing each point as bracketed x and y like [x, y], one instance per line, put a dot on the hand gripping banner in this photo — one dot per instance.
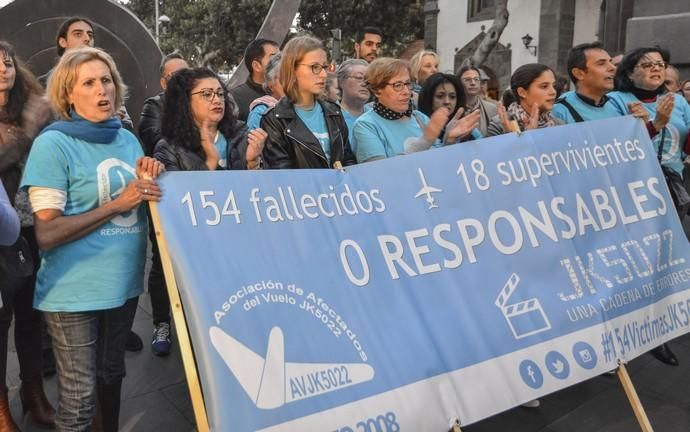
[454, 283]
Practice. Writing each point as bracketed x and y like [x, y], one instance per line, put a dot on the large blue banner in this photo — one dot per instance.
[404, 293]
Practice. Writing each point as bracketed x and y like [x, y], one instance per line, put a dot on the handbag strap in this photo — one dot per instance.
[660, 151]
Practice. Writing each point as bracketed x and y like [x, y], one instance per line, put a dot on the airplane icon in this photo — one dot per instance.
[271, 382]
[427, 190]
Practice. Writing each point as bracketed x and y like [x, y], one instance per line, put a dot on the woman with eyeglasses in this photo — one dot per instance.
[393, 127]
[305, 131]
[639, 80]
[470, 78]
[200, 131]
[355, 93]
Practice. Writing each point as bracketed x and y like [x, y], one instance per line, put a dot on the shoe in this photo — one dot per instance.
[134, 342]
[664, 354]
[35, 402]
[160, 341]
[7, 423]
[534, 403]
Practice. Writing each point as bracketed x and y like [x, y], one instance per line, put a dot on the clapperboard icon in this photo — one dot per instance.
[525, 318]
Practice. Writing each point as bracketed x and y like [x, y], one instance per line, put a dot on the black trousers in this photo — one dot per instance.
[17, 297]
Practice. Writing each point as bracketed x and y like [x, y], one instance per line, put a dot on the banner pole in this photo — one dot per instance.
[634, 400]
[180, 325]
[455, 427]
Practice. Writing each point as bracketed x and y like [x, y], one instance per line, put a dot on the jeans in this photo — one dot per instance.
[160, 303]
[89, 350]
[17, 296]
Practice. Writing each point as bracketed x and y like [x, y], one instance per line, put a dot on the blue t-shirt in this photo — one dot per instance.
[104, 268]
[378, 137]
[222, 146]
[676, 129]
[350, 121]
[255, 115]
[586, 111]
[316, 123]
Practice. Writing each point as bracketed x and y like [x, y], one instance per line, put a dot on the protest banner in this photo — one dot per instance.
[408, 293]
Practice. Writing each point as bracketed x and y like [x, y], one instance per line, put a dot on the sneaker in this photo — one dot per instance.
[160, 341]
[534, 403]
[134, 342]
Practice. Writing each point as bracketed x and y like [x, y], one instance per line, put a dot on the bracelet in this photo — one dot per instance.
[257, 163]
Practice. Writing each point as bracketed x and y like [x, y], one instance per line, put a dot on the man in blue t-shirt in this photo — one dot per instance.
[592, 71]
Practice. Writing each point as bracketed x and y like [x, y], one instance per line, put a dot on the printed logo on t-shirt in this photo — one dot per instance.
[113, 176]
[322, 137]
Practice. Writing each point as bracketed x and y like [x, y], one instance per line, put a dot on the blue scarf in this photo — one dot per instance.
[100, 133]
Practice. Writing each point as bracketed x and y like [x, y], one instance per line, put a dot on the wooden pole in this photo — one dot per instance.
[634, 400]
[180, 326]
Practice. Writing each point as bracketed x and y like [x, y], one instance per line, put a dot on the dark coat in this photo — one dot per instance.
[150, 122]
[244, 95]
[290, 144]
[177, 157]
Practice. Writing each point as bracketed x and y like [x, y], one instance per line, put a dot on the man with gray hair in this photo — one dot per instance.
[354, 92]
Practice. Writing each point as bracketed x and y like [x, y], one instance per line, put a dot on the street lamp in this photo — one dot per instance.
[160, 19]
[526, 41]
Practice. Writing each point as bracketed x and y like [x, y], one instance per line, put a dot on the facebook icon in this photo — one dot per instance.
[531, 374]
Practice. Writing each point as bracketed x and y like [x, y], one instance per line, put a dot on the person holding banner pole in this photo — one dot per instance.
[200, 131]
[393, 127]
[640, 81]
[303, 130]
[533, 85]
[86, 177]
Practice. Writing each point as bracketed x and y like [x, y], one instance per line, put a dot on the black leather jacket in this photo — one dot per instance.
[150, 122]
[176, 157]
[290, 144]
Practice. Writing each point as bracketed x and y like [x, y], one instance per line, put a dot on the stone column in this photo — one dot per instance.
[556, 28]
[431, 11]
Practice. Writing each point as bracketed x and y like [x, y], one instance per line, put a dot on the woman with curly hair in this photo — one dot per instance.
[200, 131]
[23, 112]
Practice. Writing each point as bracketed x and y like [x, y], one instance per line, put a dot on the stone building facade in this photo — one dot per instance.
[455, 27]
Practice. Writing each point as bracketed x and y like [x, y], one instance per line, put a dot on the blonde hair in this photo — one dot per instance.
[63, 78]
[293, 52]
[381, 70]
[416, 62]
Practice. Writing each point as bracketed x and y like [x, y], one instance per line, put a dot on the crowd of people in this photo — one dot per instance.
[74, 176]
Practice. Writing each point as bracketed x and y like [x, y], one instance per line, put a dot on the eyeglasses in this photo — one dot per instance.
[208, 94]
[315, 68]
[398, 86]
[649, 65]
[359, 78]
[470, 80]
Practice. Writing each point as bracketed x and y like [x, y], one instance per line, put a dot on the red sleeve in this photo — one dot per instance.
[651, 130]
[687, 146]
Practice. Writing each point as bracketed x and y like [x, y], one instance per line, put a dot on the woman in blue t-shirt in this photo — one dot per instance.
[85, 177]
[200, 131]
[393, 127]
[304, 131]
[640, 79]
